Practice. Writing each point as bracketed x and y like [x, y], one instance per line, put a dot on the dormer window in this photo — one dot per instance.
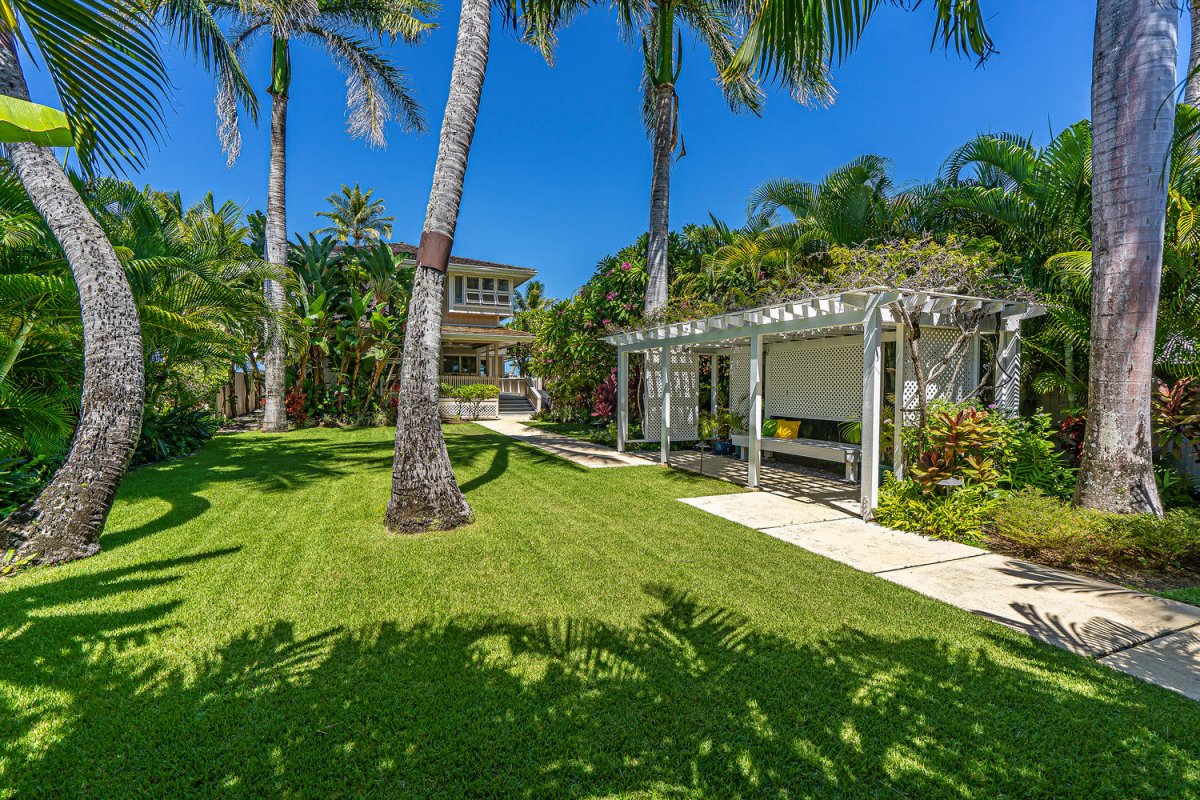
[483, 291]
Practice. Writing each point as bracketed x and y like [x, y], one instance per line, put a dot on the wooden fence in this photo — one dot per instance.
[237, 398]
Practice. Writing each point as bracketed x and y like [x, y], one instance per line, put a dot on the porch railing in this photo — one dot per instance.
[506, 385]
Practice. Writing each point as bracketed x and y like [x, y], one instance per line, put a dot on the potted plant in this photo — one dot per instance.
[718, 428]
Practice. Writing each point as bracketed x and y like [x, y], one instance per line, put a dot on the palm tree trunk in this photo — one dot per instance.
[1133, 81]
[274, 410]
[425, 495]
[660, 197]
[65, 520]
[1191, 94]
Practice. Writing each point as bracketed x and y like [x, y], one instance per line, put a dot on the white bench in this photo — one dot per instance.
[848, 454]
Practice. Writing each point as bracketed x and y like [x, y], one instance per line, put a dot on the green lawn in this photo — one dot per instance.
[251, 630]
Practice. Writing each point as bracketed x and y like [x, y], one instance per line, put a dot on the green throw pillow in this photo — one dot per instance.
[770, 427]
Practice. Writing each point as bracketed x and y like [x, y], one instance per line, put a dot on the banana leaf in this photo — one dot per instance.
[22, 121]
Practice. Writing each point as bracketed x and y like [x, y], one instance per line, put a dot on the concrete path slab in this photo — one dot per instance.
[871, 548]
[1080, 614]
[1172, 661]
[1152, 638]
[586, 454]
[764, 510]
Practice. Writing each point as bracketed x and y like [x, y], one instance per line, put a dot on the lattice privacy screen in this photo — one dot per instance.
[815, 379]
[685, 395]
[958, 379]
[739, 381]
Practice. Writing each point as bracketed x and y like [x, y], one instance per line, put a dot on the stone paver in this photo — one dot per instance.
[1152, 638]
[1169, 661]
[871, 548]
[1080, 614]
[763, 509]
[586, 454]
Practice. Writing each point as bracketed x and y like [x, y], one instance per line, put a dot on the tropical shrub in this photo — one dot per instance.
[173, 433]
[604, 398]
[296, 406]
[960, 514]
[1052, 531]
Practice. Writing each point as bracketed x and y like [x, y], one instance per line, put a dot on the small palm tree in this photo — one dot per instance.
[852, 204]
[533, 299]
[108, 73]
[356, 217]
[377, 92]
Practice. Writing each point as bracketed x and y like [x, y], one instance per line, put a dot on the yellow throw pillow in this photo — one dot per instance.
[788, 429]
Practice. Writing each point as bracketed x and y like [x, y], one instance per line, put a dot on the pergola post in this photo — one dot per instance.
[622, 399]
[755, 422]
[664, 428]
[712, 374]
[872, 387]
[898, 422]
[1008, 366]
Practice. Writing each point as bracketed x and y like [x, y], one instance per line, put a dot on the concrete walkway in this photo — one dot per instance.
[586, 454]
[1152, 638]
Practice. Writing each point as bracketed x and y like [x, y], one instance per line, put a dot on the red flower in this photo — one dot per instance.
[626, 266]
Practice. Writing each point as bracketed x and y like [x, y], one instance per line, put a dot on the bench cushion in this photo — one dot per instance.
[787, 429]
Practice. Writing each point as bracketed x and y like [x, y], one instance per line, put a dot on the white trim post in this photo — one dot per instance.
[898, 422]
[622, 399]
[712, 376]
[755, 421]
[664, 427]
[872, 387]
[1008, 366]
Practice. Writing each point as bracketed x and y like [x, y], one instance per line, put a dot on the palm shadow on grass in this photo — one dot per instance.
[689, 701]
[293, 462]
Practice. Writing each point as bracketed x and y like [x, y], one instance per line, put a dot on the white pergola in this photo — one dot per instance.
[808, 353]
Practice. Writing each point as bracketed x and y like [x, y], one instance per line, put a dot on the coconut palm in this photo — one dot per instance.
[424, 493]
[660, 27]
[1131, 148]
[104, 61]
[376, 93]
[356, 218]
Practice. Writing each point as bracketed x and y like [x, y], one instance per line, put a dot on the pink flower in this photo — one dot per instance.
[762, 276]
[611, 296]
[607, 322]
[626, 266]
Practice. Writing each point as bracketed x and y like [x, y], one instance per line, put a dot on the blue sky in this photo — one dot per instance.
[559, 172]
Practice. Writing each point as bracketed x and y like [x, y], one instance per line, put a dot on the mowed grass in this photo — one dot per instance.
[251, 630]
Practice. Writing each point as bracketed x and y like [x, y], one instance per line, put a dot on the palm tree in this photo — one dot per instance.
[424, 493]
[1133, 79]
[376, 93]
[533, 299]
[852, 204]
[356, 217]
[1191, 94]
[660, 26]
[104, 62]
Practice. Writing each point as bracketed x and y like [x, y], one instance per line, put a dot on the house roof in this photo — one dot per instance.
[409, 251]
[481, 332]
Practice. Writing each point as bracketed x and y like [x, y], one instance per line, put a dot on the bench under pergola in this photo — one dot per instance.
[821, 358]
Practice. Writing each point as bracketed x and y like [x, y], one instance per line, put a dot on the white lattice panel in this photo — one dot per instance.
[739, 381]
[816, 379]
[957, 381]
[685, 395]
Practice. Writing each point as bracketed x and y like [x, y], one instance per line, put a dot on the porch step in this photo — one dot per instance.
[515, 404]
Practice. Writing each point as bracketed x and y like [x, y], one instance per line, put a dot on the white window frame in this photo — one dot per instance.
[487, 292]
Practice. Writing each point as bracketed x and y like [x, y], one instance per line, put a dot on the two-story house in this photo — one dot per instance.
[479, 297]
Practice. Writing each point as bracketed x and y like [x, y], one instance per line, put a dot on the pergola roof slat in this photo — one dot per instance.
[815, 313]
